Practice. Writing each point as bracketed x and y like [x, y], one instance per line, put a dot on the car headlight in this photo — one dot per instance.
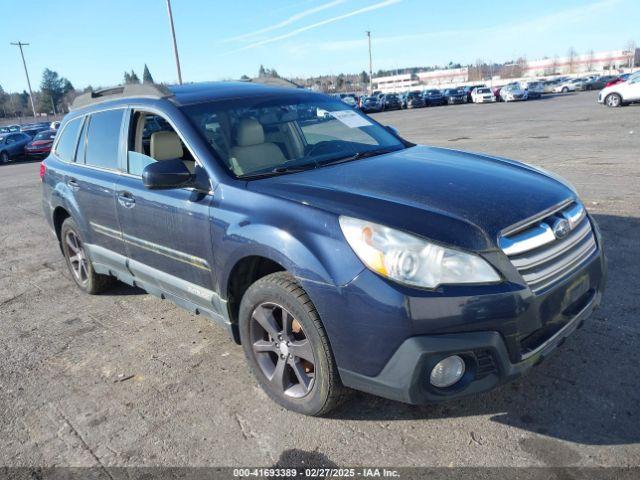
[413, 260]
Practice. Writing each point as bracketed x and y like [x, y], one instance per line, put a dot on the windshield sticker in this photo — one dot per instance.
[350, 118]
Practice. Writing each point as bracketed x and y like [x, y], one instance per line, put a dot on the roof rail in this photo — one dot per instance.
[146, 90]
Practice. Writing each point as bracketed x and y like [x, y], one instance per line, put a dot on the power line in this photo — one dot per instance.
[20, 45]
[175, 43]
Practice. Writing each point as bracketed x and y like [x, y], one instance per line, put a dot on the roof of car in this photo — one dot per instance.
[185, 94]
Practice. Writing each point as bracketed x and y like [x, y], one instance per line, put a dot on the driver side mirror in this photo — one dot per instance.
[166, 174]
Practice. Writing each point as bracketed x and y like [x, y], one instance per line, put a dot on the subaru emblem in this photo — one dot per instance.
[561, 228]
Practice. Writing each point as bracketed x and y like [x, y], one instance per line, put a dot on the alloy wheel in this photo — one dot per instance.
[613, 100]
[282, 350]
[77, 258]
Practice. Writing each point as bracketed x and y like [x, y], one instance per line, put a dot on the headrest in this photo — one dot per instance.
[249, 132]
[165, 146]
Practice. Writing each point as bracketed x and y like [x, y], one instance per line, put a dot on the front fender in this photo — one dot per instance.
[306, 241]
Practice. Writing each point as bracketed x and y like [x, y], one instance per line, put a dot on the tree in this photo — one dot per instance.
[590, 56]
[364, 78]
[130, 78]
[52, 90]
[146, 75]
[244, 77]
[340, 82]
[571, 55]
[262, 72]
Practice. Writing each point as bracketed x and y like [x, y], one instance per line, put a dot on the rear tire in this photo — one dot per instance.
[78, 261]
[287, 347]
[565, 90]
[4, 157]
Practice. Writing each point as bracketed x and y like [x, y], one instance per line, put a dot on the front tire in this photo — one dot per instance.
[565, 90]
[287, 347]
[613, 100]
[78, 261]
[4, 157]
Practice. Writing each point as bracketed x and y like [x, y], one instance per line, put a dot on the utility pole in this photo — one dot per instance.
[175, 44]
[20, 45]
[370, 65]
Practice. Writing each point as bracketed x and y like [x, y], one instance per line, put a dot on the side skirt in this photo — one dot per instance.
[191, 297]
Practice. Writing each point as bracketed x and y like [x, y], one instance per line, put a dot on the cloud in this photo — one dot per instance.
[292, 19]
[298, 31]
[498, 33]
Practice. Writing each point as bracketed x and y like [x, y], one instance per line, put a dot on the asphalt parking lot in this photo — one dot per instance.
[127, 379]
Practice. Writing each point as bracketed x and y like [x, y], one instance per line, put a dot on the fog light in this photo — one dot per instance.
[447, 372]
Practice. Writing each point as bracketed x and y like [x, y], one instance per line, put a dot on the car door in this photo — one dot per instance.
[631, 90]
[94, 159]
[167, 232]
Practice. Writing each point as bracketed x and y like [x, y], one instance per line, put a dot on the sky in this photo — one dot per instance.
[94, 42]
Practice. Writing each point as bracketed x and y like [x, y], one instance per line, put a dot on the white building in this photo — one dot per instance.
[588, 62]
[394, 83]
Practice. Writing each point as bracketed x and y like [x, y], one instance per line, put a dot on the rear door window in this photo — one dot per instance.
[103, 139]
[66, 147]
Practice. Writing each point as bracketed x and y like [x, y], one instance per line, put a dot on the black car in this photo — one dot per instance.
[391, 101]
[414, 99]
[598, 83]
[434, 97]
[455, 96]
[371, 104]
[336, 253]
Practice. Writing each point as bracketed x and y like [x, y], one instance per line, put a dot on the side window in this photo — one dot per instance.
[103, 139]
[66, 146]
[152, 139]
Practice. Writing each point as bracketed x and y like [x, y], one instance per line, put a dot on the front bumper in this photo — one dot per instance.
[386, 338]
[405, 377]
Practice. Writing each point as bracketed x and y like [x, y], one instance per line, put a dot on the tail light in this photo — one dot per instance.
[43, 170]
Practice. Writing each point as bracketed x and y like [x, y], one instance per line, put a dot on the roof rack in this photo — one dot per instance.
[121, 91]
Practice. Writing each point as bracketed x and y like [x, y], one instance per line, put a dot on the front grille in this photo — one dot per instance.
[541, 257]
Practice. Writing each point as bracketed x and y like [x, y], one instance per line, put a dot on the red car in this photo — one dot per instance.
[41, 144]
[620, 79]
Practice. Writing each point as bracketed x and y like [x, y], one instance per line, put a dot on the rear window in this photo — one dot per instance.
[103, 139]
[66, 147]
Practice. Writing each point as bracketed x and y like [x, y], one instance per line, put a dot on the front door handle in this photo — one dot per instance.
[126, 199]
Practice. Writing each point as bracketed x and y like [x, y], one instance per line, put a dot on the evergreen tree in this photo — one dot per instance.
[52, 90]
[131, 77]
[146, 75]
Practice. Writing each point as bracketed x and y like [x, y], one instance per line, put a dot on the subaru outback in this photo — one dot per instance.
[338, 254]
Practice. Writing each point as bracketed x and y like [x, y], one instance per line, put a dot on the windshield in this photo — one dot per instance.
[258, 136]
[45, 136]
[483, 90]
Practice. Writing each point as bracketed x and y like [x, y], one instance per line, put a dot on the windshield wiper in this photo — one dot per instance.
[278, 171]
[360, 155]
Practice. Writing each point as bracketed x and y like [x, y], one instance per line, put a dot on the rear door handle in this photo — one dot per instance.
[73, 184]
[126, 199]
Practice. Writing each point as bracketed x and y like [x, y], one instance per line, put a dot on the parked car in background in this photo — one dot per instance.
[597, 83]
[622, 93]
[548, 86]
[341, 256]
[513, 93]
[482, 95]
[469, 90]
[414, 99]
[10, 128]
[567, 86]
[371, 104]
[12, 145]
[455, 96]
[534, 90]
[350, 100]
[391, 101]
[41, 144]
[433, 97]
[34, 130]
[618, 79]
[496, 93]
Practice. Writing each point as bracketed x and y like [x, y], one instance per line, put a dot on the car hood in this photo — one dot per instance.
[459, 198]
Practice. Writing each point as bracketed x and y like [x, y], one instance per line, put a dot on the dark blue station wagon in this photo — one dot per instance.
[337, 253]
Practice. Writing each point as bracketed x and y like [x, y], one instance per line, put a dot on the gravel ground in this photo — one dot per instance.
[127, 379]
